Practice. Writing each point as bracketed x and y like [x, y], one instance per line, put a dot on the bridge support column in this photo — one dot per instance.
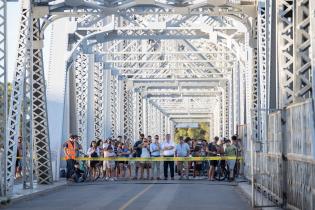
[29, 88]
[81, 97]
[113, 104]
[3, 91]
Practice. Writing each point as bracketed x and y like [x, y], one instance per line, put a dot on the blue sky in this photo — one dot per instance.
[13, 23]
[13, 20]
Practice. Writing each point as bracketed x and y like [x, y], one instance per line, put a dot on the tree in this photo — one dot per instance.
[202, 132]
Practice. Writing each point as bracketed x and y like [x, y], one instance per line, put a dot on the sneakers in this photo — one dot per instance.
[172, 178]
[158, 178]
[180, 178]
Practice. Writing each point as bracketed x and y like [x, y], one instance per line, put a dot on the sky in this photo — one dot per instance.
[13, 19]
[13, 22]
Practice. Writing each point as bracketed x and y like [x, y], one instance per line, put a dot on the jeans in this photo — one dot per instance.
[70, 168]
[155, 168]
[171, 165]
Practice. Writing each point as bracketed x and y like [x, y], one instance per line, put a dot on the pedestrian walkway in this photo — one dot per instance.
[19, 193]
[149, 195]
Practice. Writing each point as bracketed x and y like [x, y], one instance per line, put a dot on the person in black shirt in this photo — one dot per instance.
[212, 152]
[78, 174]
[137, 147]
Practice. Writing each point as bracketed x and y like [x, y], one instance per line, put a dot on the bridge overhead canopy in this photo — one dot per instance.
[131, 67]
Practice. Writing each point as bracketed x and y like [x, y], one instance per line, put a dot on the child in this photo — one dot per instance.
[126, 153]
[78, 174]
[145, 153]
[110, 164]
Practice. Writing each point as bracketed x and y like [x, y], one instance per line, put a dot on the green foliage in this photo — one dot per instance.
[202, 132]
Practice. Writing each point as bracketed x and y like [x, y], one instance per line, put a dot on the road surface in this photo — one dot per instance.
[135, 195]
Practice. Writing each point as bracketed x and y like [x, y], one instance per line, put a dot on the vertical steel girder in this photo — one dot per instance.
[262, 46]
[98, 101]
[39, 112]
[221, 118]
[137, 114]
[120, 106]
[312, 49]
[130, 117]
[81, 92]
[141, 113]
[113, 104]
[296, 46]
[285, 27]
[3, 91]
[127, 113]
[302, 84]
[29, 82]
[163, 127]
[255, 102]
[22, 64]
[227, 107]
[149, 117]
[26, 132]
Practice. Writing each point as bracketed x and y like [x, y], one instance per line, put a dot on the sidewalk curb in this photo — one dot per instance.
[33, 195]
[249, 197]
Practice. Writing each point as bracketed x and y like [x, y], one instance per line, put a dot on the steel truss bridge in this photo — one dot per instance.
[143, 66]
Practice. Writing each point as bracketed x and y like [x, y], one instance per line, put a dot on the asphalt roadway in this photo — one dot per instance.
[136, 195]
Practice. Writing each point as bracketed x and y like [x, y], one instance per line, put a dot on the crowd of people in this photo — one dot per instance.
[146, 147]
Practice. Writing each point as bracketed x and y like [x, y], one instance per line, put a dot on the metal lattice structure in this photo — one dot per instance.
[146, 66]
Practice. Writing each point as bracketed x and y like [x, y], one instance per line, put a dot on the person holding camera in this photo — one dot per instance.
[137, 147]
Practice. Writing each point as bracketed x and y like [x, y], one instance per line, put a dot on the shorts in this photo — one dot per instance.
[93, 164]
[18, 163]
[213, 163]
[109, 164]
[145, 164]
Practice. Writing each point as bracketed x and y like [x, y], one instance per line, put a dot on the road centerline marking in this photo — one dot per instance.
[130, 201]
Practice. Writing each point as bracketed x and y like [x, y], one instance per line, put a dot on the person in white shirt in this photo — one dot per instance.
[155, 152]
[145, 153]
[93, 152]
[168, 150]
[182, 150]
[110, 164]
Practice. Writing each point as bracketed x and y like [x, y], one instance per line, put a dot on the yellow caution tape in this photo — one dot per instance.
[158, 158]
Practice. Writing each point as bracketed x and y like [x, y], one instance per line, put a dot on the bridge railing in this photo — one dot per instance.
[285, 168]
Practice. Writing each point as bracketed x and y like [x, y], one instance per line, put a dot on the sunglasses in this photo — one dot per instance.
[145, 141]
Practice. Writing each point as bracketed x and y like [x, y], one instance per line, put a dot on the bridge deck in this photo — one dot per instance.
[191, 194]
